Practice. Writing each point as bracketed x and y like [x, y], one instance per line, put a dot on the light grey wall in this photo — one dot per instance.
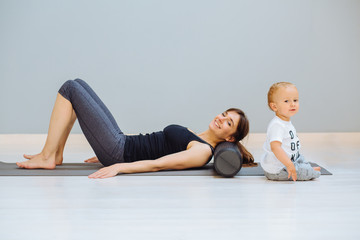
[160, 62]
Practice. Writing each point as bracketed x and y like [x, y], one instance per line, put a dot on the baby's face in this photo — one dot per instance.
[286, 102]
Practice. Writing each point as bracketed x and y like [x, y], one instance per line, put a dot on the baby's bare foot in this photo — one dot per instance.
[38, 161]
[317, 168]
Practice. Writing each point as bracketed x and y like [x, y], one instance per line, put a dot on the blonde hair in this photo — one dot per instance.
[273, 89]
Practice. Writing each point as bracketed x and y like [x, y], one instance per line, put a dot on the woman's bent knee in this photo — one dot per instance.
[68, 88]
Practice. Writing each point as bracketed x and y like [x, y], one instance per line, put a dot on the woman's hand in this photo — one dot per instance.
[106, 172]
[92, 160]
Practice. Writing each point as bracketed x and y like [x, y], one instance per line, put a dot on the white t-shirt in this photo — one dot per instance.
[284, 132]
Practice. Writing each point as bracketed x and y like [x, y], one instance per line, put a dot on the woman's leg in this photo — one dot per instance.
[96, 121]
[61, 121]
[59, 153]
[99, 102]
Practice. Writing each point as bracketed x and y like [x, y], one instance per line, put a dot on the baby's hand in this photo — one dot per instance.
[292, 171]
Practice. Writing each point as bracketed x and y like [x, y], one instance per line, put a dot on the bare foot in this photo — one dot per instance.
[92, 160]
[38, 161]
[317, 168]
[58, 159]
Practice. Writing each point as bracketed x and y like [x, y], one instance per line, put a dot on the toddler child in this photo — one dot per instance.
[282, 160]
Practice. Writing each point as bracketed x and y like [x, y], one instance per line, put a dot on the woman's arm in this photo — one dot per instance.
[282, 157]
[196, 156]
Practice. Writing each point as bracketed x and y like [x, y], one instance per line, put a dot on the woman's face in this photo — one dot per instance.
[225, 125]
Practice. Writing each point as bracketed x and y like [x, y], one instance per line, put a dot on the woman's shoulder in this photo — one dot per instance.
[179, 132]
[185, 135]
[175, 128]
[201, 146]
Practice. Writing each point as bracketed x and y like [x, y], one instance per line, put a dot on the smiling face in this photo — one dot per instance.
[225, 125]
[285, 102]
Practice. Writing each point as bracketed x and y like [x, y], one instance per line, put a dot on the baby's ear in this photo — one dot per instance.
[273, 106]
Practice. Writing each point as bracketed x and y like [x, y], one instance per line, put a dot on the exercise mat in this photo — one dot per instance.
[85, 169]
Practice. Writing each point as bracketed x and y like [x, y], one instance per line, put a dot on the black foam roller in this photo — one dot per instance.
[227, 159]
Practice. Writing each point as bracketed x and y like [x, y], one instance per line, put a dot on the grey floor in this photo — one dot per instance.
[165, 207]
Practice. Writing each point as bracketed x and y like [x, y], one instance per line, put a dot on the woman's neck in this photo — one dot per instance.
[210, 138]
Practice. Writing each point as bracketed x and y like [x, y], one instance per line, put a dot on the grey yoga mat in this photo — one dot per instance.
[85, 169]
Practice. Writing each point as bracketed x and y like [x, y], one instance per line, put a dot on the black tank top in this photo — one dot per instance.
[172, 139]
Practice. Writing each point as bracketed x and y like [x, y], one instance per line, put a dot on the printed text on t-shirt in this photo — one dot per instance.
[294, 146]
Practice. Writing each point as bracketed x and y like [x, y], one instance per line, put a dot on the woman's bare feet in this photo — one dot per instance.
[58, 158]
[38, 161]
[317, 168]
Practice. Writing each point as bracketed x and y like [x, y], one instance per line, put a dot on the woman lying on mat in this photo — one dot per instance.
[173, 148]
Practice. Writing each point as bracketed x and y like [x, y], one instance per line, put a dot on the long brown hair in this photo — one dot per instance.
[242, 131]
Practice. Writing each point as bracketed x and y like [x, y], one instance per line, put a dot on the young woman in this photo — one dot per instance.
[175, 147]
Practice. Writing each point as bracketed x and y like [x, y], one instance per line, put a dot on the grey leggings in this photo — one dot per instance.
[304, 172]
[96, 121]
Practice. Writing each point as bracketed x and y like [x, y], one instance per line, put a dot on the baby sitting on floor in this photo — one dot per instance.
[282, 160]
